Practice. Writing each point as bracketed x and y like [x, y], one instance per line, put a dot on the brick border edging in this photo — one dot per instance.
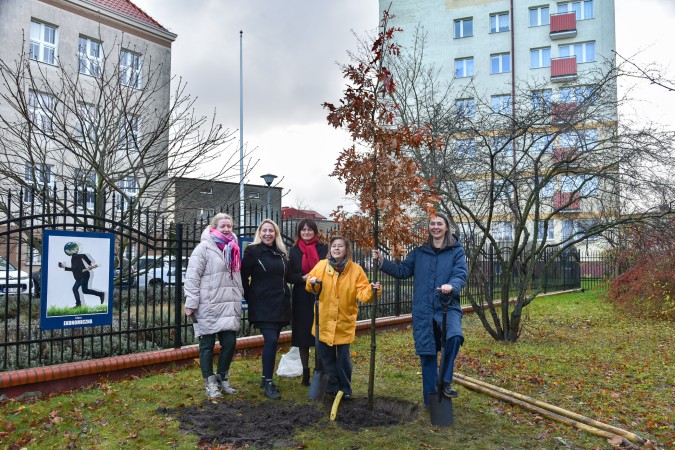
[63, 377]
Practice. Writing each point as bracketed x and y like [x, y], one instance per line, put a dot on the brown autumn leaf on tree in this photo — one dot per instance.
[376, 168]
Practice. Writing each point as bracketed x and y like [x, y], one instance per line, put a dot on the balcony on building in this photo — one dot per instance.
[563, 154]
[566, 201]
[563, 69]
[564, 112]
[563, 26]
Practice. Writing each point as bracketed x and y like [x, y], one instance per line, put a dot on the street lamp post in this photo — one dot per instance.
[269, 178]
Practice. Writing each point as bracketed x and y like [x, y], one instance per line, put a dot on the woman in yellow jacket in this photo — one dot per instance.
[343, 283]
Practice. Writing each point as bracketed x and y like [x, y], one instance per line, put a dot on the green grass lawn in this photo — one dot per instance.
[575, 352]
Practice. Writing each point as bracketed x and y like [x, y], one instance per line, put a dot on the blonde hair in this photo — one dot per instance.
[220, 216]
[278, 242]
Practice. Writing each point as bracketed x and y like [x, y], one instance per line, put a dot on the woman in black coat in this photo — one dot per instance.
[303, 256]
[263, 273]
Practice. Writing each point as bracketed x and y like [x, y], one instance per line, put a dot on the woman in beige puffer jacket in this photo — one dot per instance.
[213, 295]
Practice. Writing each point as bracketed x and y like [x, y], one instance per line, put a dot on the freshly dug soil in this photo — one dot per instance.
[273, 423]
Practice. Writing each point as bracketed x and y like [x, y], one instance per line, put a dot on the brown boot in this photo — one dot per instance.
[305, 376]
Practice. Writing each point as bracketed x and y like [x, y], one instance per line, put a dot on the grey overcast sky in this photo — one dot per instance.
[290, 51]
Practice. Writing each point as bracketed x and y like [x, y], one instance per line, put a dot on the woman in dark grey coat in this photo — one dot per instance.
[439, 267]
[303, 256]
[263, 273]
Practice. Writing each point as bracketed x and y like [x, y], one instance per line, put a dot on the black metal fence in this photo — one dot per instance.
[147, 300]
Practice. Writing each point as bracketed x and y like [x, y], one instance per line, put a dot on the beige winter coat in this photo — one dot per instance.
[212, 290]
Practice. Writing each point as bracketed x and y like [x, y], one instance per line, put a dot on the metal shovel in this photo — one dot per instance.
[440, 407]
[317, 388]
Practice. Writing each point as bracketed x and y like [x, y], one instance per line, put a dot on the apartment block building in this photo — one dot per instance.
[84, 81]
[512, 57]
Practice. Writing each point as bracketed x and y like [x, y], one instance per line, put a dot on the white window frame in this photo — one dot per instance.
[466, 190]
[540, 16]
[131, 65]
[86, 184]
[497, 24]
[579, 183]
[466, 148]
[40, 111]
[466, 107]
[540, 57]
[500, 63]
[503, 144]
[550, 236]
[90, 56]
[542, 99]
[464, 67]
[577, 94]
[502, 104]
[460, 28]
[502, 231]
[583, 9]
[87, 120]
[542, 142]
[130, 133]
[44, 41]
[130, 187]
[37, 176]
[583, 51]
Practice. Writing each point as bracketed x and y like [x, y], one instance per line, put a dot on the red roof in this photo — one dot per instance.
[127, 8]
[292, 213]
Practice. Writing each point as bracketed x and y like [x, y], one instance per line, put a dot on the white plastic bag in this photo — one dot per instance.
[290, 364]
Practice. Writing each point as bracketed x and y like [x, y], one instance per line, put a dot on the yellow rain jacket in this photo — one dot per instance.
[337, 302]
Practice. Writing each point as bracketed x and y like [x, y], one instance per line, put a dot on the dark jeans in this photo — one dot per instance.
[228, 341]
[430, 367]
[337, 363]
[83, 282]
[270, 332]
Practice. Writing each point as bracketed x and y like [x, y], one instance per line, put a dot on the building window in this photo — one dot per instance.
[585, 52]
[500, 63]
[43, 42]
[578, 95]
[90, 55]
[130, 136]
[583, 9]
[40, 108]
[129, 191]
[502, 231]
[540, 57]
[539, 16]
[550, 231]
[542, 143]
[574, 229]
[85, 188]
[206, 191]
[87, 119]
[463, 67]
[502, 145]
[466, 190]
[39, 177]
[501, 104]
[130, 69]
[542, 99]
[579, 183]
[499, 22]
[466, 148]
[466, 107]
[463, 28]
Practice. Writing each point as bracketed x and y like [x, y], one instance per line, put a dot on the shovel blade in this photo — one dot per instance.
[440, 410]
[317, 388]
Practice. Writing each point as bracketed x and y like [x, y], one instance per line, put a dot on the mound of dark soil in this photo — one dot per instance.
[270, 423]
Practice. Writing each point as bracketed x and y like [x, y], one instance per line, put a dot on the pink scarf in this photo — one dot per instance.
[228, 245]
[310, 256]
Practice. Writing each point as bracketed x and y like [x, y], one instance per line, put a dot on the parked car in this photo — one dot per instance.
[125, 273]
[12, 280]
[158, 270]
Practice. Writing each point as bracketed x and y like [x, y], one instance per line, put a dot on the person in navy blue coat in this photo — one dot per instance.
[439, 267]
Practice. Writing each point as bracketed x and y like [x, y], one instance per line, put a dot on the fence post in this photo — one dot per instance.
[178, 287]
[397, 294]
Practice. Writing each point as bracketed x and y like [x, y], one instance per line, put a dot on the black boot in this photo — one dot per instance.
[305, 376]
[271, 390]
